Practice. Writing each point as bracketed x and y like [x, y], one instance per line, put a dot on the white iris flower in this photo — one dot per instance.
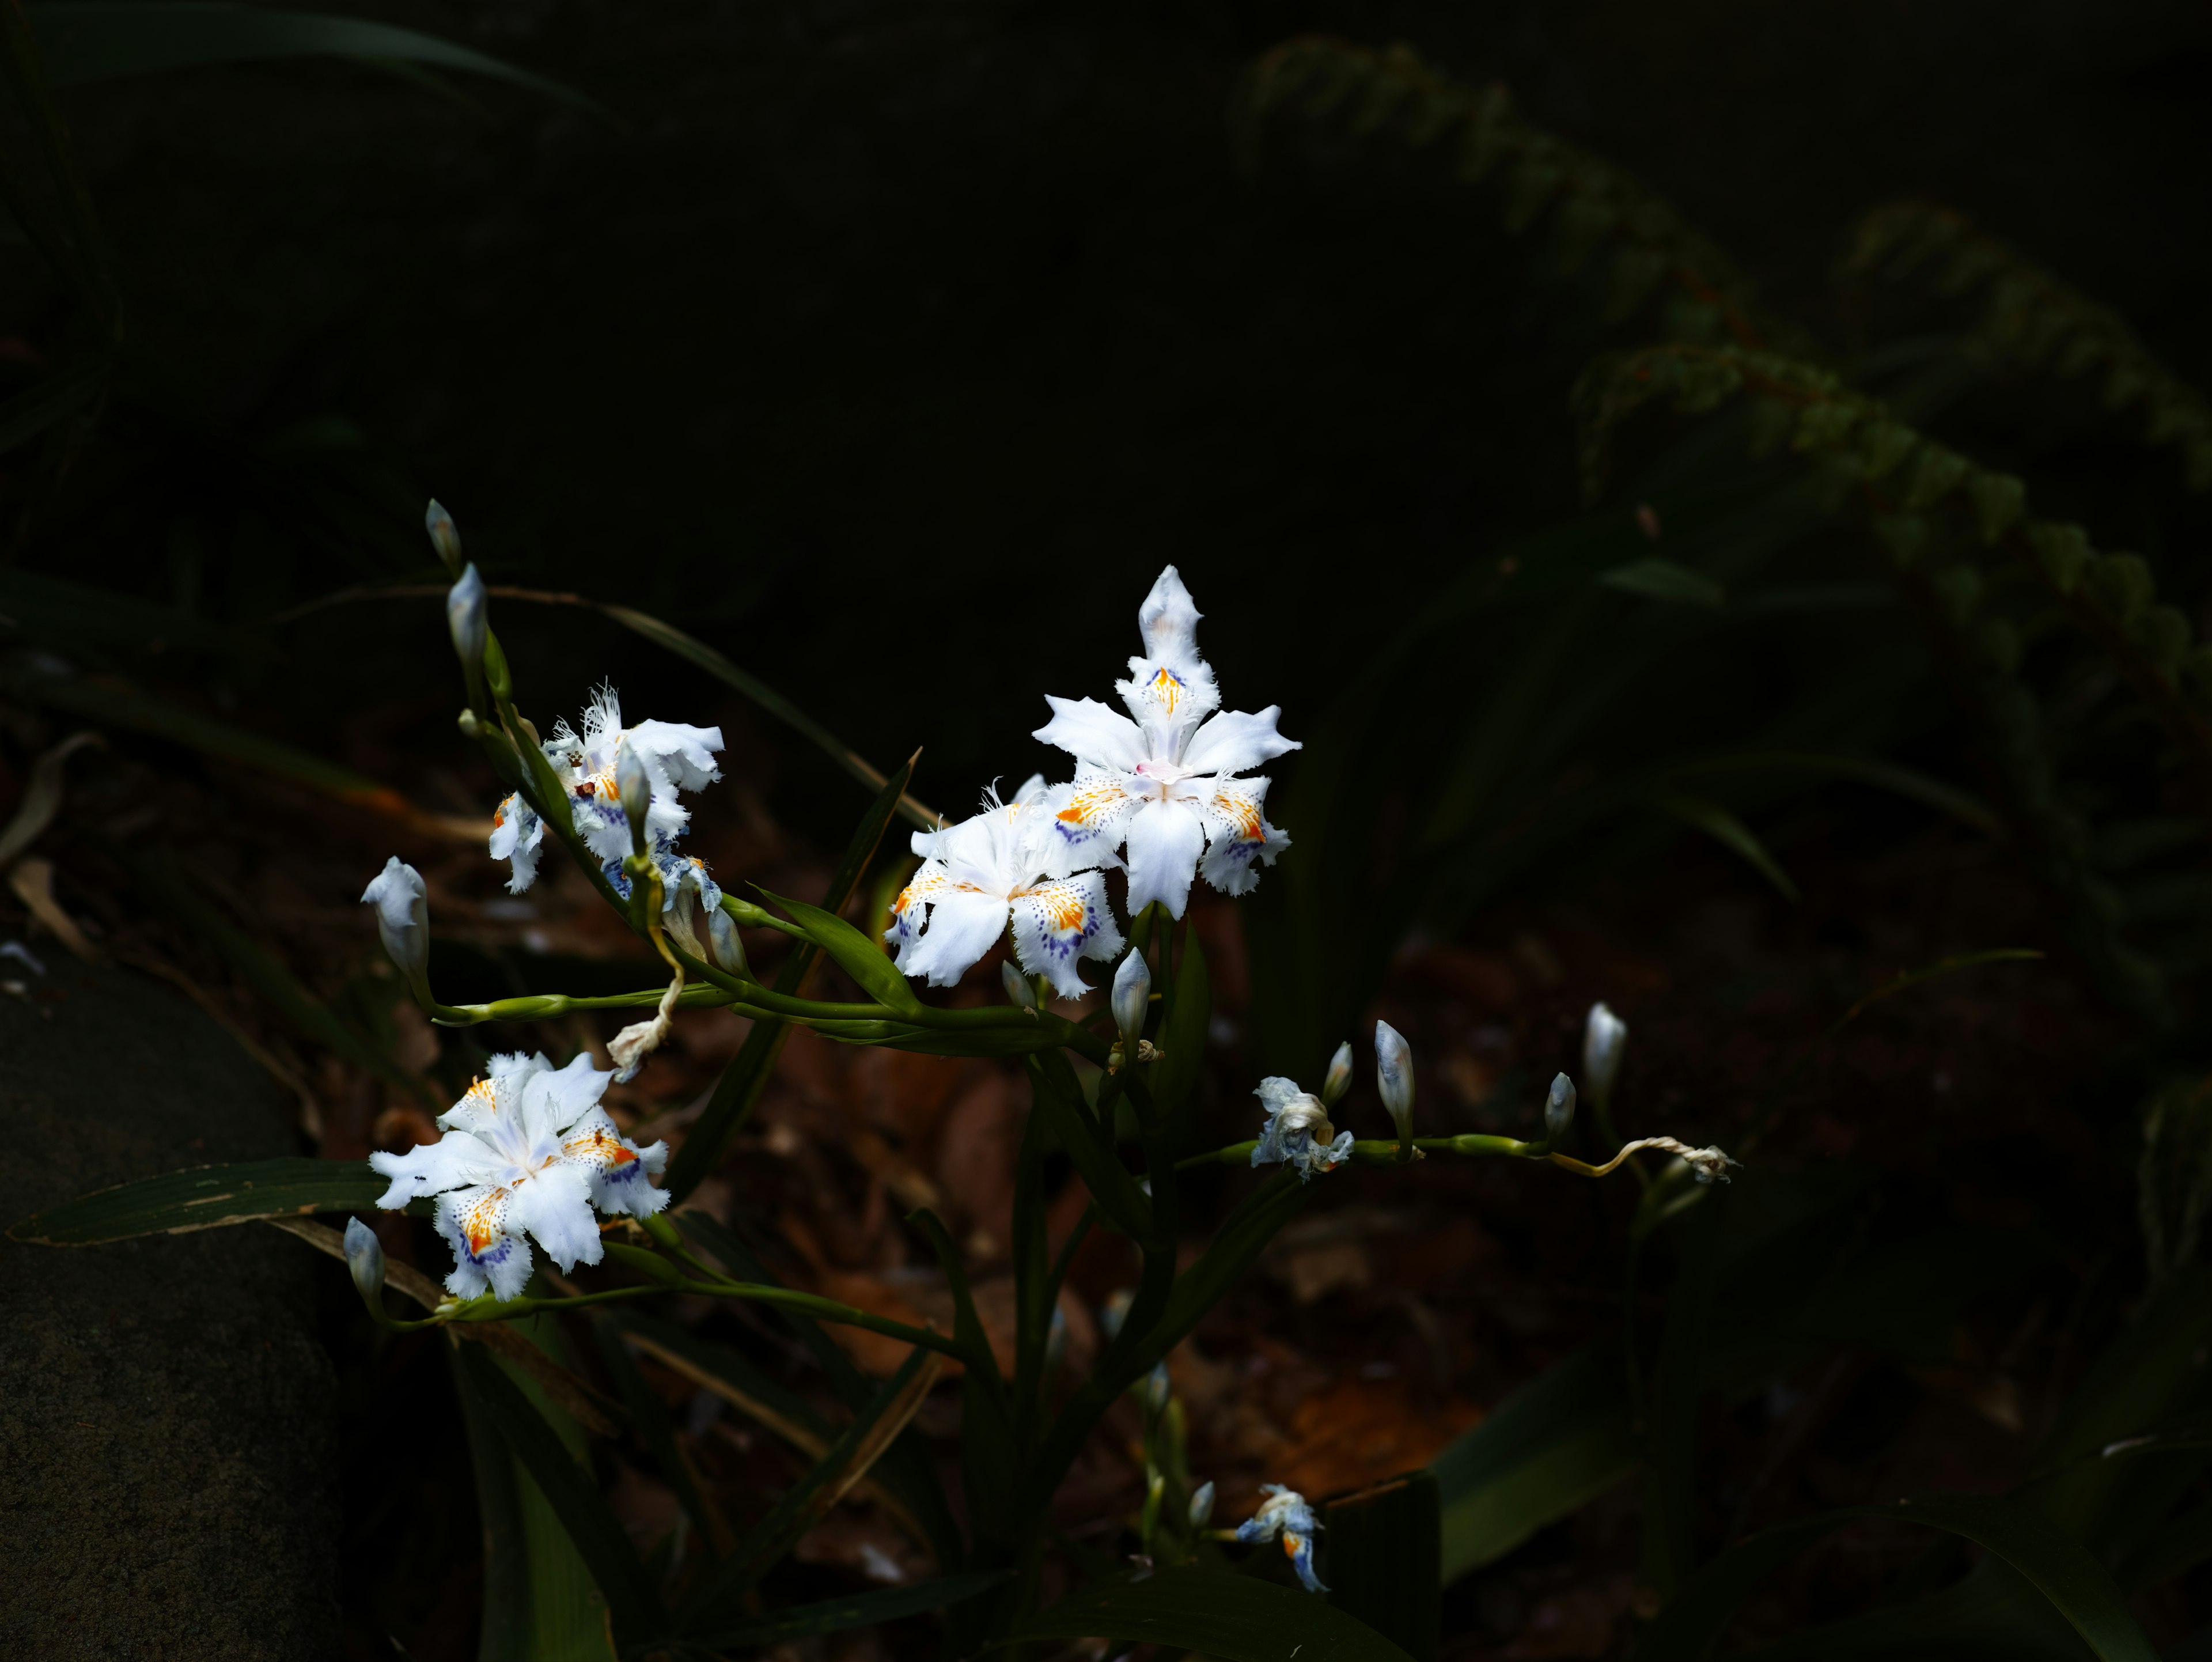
[528, 1149]
[1297, 1131]
[978, 874]
[677, 757]
[1165, 783]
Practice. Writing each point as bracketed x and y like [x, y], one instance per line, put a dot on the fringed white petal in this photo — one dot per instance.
[1055, 924]
[1090, 732]
[1234, 741]
[456, 1160]
[518, 836]
[964, 923]
[1239, 838]
[555, 1205]
[1164, 842]
[1077, 825]
[489, 1254]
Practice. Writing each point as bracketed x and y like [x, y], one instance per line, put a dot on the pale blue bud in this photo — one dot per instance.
[729, 949]
[1115, 1311]
[1132, 992]
[465, 616]
[1604, 1037]
[635, 786]
[1156, 1389]
[1018, 986]
[402, 922]
[445, 536]
[1559, 1111]
[1339, 1080]
[1201, 1506]
[1393, 1077]
[365, 1258]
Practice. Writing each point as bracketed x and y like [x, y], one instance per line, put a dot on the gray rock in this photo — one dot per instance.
[166, 1406]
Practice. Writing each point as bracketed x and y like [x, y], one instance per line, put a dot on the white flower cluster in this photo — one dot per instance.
[1166, 785]
[527, 1149]
[676, 758]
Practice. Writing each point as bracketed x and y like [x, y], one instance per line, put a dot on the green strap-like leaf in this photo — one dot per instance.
[1053, 1091]
[86, 41]
[207, 1197]
[1548, 1450]
[741, 1084]
[1384, 1562]
[2060, 1568]
[907, 1468]
[860, 1610]
[631, 1595]
[1183, 1026]
[1239, 1618]
[859, 957]
[650, 1418]
[1730, 832]
[715, 1603]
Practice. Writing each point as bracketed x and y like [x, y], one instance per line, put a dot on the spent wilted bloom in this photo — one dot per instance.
[1604, 1037]
[527, 1149]
[1163, 780]
[1297, 1131]
[403, 921]
[978, 874]
[1284, 1513]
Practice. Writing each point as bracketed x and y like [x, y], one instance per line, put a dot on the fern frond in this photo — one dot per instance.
[1592, 204]
[2032, 319]
[1956, 537]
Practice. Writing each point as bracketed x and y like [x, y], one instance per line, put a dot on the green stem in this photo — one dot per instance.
[827, 1310]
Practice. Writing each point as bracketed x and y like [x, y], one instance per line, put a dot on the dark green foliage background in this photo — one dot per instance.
[925, 334]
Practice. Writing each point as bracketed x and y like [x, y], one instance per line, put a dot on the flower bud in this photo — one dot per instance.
[1605, 1036]
[1133, 991]
[1156, 1389]
[729, 949]
[1019, 988]
[635, 786]
[464, 617]
[365, 1258]
[1202, 1504]
[403, 920]
[1559, 1111]
[1115, 1311]
[1393, 1077]
[445, 536]
[1339, 1080]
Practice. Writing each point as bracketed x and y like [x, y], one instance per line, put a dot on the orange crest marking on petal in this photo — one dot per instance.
[483, 1220]
[498, 818]
[596, 1144]
[1167, 688]
[1089, 805]
[1290, 1544]
[486, 1095]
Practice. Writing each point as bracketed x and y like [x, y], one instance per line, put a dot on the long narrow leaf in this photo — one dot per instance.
[503, 1629]
[2060, 1568]
[89, 40]
[206, 1197]
[859, 957]
[847, 1460]
[631, 1595]
[1549, 1449]
[650, 1418]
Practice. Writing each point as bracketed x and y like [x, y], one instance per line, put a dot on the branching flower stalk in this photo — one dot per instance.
[529, 1159]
